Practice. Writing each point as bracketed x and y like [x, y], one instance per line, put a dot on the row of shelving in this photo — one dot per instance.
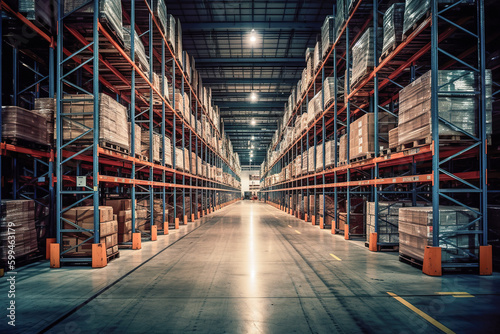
[392, 112]
[105, 106]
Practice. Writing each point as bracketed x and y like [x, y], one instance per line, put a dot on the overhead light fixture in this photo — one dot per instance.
[253, 121]
[253, 37]
[252, 147]
[253, 96]
[253, 137]
[251, 152]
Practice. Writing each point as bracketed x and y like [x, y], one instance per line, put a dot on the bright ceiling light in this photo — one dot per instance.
[252, 147]
[253, 37]
[253, 96]
[253, 121]
[253, 137]
[251, 152]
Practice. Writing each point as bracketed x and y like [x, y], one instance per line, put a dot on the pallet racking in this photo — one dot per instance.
[90, 59]
[451, 36]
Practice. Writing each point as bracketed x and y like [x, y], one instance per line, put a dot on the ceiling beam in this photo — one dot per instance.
[245, 62]
[248, 26]
[249, 81]
[246, 95]
[260, 105]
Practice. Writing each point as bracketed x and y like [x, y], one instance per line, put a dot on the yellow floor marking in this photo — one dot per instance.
[298, 232]
[421, 313]
[336, 257]
[456, 294]
[290, 226]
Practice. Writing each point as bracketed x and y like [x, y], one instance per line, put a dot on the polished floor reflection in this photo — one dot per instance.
[250, 268]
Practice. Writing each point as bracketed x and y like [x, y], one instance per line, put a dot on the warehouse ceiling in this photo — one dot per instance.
[219, 36]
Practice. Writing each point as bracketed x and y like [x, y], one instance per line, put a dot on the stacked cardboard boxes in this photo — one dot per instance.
[458, 235]
[19, 124]
[17, 219]
[362, 138]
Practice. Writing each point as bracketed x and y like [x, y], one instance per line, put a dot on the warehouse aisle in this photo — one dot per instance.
[250, 268]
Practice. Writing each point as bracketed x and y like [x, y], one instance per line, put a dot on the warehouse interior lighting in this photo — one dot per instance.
[253, 121]
[253, 38]
[253, 96]
[253, 137]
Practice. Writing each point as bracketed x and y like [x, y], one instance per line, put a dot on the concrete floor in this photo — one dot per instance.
[250, 268]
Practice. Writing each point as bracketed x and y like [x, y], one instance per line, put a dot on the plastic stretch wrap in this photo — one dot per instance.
[137, 138]
[168, 151]
[113, 126]
[140, 51]
[343, 149]
[393, 137]
[109, 10]
[388, 222]
[179, 159]
[317, 56]
[319, 157]
[171, 31]
[327, 34]
[341, 16]
[19, 123]
[178, 42]
[363, 59]
[415, 232]
[160, 10]
[156, 145]
[393, 26]
[415, 105]
[310, 159]
[415, 10]
[46, 107]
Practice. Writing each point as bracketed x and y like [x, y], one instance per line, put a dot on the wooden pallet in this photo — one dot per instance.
[410, 260]
[387, 52]
[364, 156]
[26, 144]
[388, 151]
[113, 256]
[416, 143]
[113, 147]
[416, 25]
[141, 157]
[385, 248]
[343, 163]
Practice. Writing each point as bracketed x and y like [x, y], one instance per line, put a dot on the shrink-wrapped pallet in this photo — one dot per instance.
[46, 107]
[160, 10]
[393, 27]
[310, 160]
[362, 134]
[20, 125]
[187, 160]
[341, 16]
[388, 220]
[110, 11]
[156, 145]
[329, 209]
[414, 120]
[17, 220]
[171, 31]
[303, 167]
[113, 126]
[314, 108]
[308, 70]
[178, 42]
[327, 35]
[329, 153]
[363, 59]
[137, 138]
[343, 149]
[319, 157]
[179, 159]
[168, 151]
[415, 11]
[317, 56]
[459, 238]
[139, 51]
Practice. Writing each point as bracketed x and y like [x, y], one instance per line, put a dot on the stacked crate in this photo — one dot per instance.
[139, 51]
[171, 32]
[388, 222]
[362, 137]
[156, 145]
[17, 220]
[363, 57]
[122, 209]
[393, 27]
[113, 126]
[343, 149]
[46, 107]
[393, 138]
[83, 217]
[327, 35]
[457, 233]
[23, 125]
[414, 120]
